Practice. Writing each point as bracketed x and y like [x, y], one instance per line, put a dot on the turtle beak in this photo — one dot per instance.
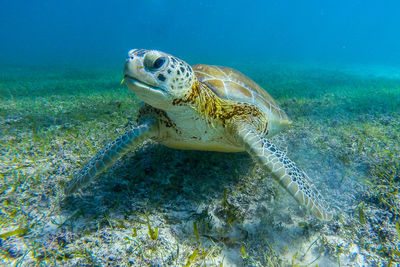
[139, 81]
[135, 70]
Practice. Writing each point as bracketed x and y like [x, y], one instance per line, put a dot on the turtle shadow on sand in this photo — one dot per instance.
[154, 179]
[176, 188]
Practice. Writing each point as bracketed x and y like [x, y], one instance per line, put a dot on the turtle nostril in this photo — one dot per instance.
[131, 54]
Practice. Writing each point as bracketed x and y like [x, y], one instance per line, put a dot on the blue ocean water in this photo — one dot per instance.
[101, 32]
[333, 66]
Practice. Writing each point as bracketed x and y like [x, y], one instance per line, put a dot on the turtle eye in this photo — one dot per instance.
[158, 63]
[153, 61]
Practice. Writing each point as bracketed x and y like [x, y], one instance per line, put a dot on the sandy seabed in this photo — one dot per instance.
[163, 207]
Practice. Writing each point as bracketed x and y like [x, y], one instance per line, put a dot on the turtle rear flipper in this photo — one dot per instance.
[285, 172]
[111, 153]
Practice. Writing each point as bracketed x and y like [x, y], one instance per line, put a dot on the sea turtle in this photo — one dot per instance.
[204, 107]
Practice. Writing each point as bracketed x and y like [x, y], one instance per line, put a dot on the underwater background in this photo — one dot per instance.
[333, 66]
[101, 32]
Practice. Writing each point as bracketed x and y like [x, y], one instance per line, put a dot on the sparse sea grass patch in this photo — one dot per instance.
[159, 206]
[385, 184]
[38, 127]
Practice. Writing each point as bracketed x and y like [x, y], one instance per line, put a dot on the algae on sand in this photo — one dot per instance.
[207, 208]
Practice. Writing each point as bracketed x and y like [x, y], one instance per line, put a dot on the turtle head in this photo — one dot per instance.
[156, 77]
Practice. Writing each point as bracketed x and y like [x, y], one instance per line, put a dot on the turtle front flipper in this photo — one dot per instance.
[285, 172]
[111, 153]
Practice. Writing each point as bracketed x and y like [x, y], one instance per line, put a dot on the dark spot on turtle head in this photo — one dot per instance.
[183, 69]
[174, 60]
[187, 74]
[178, 72]
[161, 77]
[169, 71]
[190, 70]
